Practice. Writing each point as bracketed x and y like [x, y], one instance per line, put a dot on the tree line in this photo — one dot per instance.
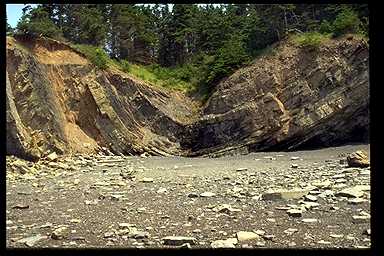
[212, 40]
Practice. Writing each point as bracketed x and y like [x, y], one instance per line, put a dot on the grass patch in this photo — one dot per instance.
[94, 54]
[159, 76]
[310, 39]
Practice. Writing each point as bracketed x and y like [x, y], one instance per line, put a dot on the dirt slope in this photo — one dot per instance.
[59, 102]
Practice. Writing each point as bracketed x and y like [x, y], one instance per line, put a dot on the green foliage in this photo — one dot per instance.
[94, 54]
[92, 29]
[229, 57]
[159, 76]
[325, 27]
[310, 39]
[37, 22]
[347, 21]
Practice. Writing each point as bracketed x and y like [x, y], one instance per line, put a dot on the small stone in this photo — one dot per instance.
[91, 202]
[290, 231]
[21, 206]
[126, 225]
[260, 232]
[225, 208]
[241, 169]
[245, 236]
[294, 166]
[60, 233]
[310, 198]
[309, 205]
[207, 194]
[309, 220]
[141, 210]
[357, 200]
[147, 180]
[186, 246]
[223, 244]
[336, 236]
[367, 232]
[139, 235]
[323, 242]
[269, 237]
[322, 184]
[193, 195]
[295, 212]
[295, 158]
[179, 240]
[260, 244]
[52, 157]
[361, 219]
[74, 220]
[161, 191]
[109, 234]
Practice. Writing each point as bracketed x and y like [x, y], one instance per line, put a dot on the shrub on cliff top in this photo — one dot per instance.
[310, 39]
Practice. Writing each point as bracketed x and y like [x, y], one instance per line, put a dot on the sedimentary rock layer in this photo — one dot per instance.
[58, 101]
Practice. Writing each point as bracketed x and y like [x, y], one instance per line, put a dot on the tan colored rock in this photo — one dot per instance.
[52, 157]
[358, 159]
[283, 194]
[245, 236]
[228, 243]
[355, 191]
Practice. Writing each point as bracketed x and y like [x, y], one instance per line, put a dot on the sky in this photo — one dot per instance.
[14, 12]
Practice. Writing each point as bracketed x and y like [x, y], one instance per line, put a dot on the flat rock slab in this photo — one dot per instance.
[207, 194]
[245, 236]
[32, 240]
[356, 191]
[285, 194]
[147, 180]
[295, 212]
[361, 219]
[178, 240]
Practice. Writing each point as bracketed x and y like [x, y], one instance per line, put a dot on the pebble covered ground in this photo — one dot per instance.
[303, 199]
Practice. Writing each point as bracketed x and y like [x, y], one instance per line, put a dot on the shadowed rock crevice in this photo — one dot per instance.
[295, 98]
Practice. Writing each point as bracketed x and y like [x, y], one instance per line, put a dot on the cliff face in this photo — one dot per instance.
[57, 101]
[295, 97]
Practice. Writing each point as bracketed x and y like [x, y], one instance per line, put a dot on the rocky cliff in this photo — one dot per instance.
[58, 101]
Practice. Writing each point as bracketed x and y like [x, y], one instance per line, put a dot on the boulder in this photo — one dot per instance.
[358, 159]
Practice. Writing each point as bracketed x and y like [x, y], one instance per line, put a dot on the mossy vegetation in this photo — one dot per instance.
[311, 39]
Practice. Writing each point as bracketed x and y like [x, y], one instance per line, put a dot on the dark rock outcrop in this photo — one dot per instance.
[57, 101]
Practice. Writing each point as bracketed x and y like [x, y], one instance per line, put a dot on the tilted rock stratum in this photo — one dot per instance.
[294, 97]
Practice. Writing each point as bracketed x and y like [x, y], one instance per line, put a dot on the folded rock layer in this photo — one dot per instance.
[58, 101]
